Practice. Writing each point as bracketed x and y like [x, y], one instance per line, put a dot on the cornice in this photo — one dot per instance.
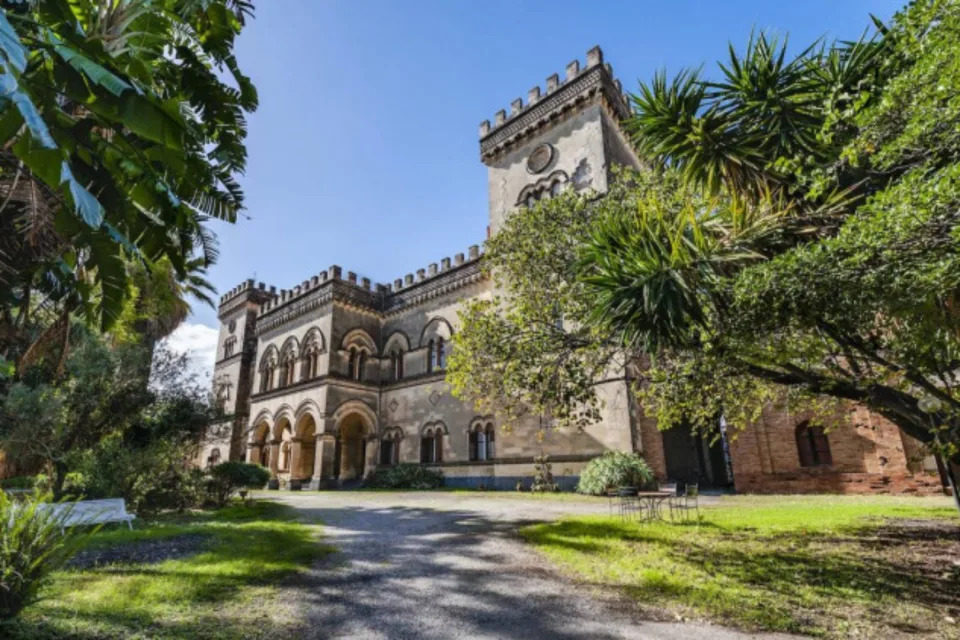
[594, 81]
[229, 359]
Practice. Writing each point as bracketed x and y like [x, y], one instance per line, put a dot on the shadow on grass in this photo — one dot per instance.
[179, 598]
[783, 580]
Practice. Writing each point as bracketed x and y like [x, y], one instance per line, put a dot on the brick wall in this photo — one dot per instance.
[870, 455]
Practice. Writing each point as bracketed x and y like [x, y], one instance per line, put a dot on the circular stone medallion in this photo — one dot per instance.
[233, 326]
[540, 158]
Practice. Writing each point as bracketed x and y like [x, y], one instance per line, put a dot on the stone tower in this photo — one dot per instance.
[569, 135]
[234, 366]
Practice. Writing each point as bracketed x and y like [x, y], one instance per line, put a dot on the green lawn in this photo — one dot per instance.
[227, 588]
[872, 567]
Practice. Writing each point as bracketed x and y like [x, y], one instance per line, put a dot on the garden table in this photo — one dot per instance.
[653, 500]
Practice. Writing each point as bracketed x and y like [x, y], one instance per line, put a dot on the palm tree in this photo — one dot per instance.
[119, 143]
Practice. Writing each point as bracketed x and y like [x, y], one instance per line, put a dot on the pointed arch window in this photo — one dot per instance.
[310, 360]
[431, 445]
[229, 345]
[482, 437]
[390, 447]
[813, 446]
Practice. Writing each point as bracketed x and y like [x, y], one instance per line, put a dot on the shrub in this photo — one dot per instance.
[229, 477]
[17, 482]
[151, 478]
[543, 476]
[404, 476]
[31, 548]
[612, 470]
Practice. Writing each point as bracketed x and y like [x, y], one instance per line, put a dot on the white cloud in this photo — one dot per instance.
[199, 342]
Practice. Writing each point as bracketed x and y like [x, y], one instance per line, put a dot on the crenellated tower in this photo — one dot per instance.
[235, 364]
[566, 136]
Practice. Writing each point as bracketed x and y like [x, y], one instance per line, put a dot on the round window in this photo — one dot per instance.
[540, 158]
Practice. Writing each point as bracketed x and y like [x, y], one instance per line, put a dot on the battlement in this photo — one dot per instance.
[433, 269]
[578, 84]
[247, 286]
[377, 291]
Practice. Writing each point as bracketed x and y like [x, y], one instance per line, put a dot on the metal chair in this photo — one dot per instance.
[688, 501]
[628, 503]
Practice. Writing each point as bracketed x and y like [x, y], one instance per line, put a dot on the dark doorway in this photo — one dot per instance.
[693, 458]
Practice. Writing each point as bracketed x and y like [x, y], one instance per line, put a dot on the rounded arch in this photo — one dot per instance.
[360, 339]
[269, 358]
[261, 429]
[392, 433]
[437, 426]
[313, 339]
[290, 349]
[307, 408]
[543, 187]
[480, 423]
[305, 426]
[397, 340]
[283, 422]
[356, 407]
[436, 326]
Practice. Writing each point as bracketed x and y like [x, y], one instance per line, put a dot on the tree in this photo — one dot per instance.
[104, 401]
[119, 142]
[526, 351]
[850, 294]
[229, 477]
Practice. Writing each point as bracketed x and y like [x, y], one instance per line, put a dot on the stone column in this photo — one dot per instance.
[253, 453]
[372, 449]
[295, 450]
[274, 463]
[323, 460]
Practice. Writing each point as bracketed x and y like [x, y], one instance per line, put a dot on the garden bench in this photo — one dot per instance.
[87, 512]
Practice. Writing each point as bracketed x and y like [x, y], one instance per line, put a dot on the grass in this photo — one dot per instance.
[228, 589]
[873, 567]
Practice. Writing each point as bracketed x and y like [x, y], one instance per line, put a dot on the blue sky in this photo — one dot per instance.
[364, 150]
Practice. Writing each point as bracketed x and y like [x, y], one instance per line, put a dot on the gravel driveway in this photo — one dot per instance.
[442, 565]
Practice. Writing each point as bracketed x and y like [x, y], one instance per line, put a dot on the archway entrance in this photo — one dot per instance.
[306, 441]
[257, 450]
[350, 455]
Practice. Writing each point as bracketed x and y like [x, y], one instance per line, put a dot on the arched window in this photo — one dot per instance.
[441, 354]
[214, 458]
[228, 346]
[813, 446]
[361, 366]
[397, 362]
[390, 447]
[431, 356]
[556, 189]
[310, 360]
[481, 442]
[352, 363]
[431, 445]
[268, 365]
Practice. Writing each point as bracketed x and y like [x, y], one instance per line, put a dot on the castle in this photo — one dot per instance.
[328, 380]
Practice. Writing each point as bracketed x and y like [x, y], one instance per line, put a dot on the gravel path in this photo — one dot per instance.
[435, 565]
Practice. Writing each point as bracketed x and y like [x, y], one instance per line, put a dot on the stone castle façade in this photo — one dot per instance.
[329, 379]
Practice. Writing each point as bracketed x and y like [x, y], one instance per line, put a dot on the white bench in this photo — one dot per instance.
[87, 512]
